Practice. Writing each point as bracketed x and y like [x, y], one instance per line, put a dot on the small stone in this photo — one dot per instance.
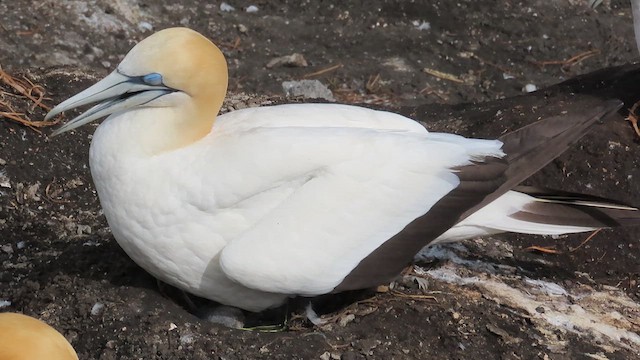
[224, 7]
[3, 162]
[32, 192]
[4, 180]
[398, 64]
[508, 339]
[83, 229]
[242, 28]
[4, 303]
[21, 245]
[252, 9]
[145, 26]
[529, 88]
[225, 315]
[325, 356]
[106, 64]
[97, 309]
[540, 309]
[455, 315]
[172, 326]
[293, 60]
[309, 89]
[187, 339]
[7, 249]
[424, 25]
[346, 320]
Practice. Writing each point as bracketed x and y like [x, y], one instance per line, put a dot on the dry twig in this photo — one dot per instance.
[570, 61]
[542, 249]
[633, 118]
[400, 294]
[551, 250]
[443, 75]
[323, 71]
[235, 45]
[27, 89]
[585, 240]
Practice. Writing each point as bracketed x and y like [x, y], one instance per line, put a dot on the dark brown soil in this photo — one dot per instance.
[61, 264]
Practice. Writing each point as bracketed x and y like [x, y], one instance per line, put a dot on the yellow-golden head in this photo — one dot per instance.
[175, 67]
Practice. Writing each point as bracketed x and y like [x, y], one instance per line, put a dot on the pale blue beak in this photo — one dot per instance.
[115, 93]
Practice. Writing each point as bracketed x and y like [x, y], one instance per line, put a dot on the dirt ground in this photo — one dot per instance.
[487, 298]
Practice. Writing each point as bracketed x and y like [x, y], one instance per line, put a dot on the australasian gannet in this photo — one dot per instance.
[258, 205]
[25, 338]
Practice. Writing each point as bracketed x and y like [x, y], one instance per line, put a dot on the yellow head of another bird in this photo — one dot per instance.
[25, 338]
[173, 67]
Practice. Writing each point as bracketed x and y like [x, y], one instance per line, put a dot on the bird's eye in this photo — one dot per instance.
[154, 79]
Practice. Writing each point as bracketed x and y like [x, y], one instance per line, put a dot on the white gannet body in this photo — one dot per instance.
[257, 205]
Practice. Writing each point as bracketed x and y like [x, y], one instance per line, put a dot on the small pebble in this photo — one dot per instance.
[309, 89]
[424, 25]
[8, 249]
[293, 60]
[530, 88]
[145, 26]
[224, 7]
[186, 339]
[97, 308]
[252, 9]
[346, 320]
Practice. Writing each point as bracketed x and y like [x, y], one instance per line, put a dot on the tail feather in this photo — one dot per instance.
[571, 209]
[531, 210]
[531, 147]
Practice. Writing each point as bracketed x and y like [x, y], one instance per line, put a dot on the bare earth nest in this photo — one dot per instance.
[488, 298]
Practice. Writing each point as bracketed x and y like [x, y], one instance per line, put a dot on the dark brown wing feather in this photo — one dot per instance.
[527, 150]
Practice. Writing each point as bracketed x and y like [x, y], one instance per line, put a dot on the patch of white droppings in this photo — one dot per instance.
[606, 316]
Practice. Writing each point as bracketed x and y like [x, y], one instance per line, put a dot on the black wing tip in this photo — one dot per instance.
[574, 209]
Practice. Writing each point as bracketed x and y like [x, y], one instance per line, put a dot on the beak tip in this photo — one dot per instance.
[58, 131]
[52, 113]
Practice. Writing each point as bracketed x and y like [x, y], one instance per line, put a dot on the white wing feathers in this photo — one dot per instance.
[497, 218]
[355, 191]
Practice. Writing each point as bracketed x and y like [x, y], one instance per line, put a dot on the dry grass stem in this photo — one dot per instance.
[323, 71]
[570, 61]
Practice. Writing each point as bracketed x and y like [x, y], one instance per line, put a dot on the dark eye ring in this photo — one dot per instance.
[154, 79]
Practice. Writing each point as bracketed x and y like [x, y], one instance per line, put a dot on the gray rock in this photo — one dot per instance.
[308, 89]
